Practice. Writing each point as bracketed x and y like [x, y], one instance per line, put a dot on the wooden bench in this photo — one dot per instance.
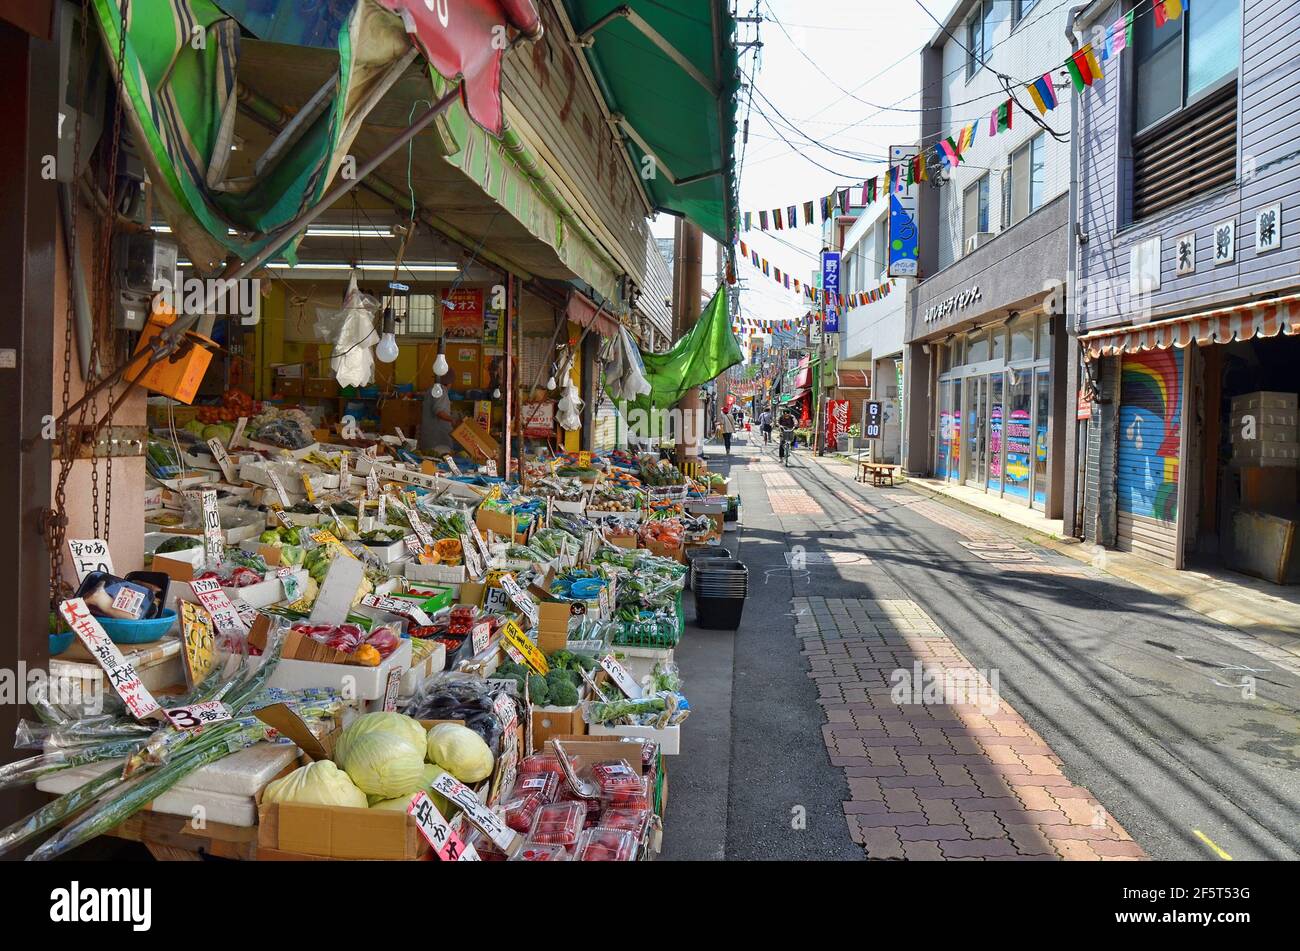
[880, 473]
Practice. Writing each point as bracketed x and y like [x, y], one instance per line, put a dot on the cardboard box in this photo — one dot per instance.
[502, 524]
[556, 721]
[289, 388]
[669, 738]
[553, 625]
[675, 552]
[478, 443]
[320, 387]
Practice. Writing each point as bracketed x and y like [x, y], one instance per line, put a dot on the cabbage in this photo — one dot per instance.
[460, 751]
[383, 753]
[398, 724]
[431, 772]
[321, 783]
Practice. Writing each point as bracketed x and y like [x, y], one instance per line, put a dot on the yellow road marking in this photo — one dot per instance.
[1208, 841]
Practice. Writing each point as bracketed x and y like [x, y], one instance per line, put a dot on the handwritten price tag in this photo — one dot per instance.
[618, 673]
[446, 843]
[214, 540]
[90, 555]
[224, 616]
[484, 819]
[397, 606]
[278, 486]
[372, 485]
[451, 464]
[392, 687]
[522, 600]
[197, 642]
[519, 640]
[480, 636]
[121, 675]
[198, 715]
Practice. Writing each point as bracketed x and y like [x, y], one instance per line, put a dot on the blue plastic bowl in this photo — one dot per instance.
[585, 589]
[138, 632]
[60, 642]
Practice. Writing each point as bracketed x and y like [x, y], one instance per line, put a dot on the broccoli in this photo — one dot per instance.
[560, 659]
[564, 694]
[557, 675]
[538, 691]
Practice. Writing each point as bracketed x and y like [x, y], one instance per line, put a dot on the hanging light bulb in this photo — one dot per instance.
[386, 349]
[440, 364]
[550, 383]
[436, 391]
[496, 394]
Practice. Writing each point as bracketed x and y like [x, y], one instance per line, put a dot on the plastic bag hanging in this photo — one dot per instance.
[353, 359]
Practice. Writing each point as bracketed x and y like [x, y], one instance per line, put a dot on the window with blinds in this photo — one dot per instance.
[1186, 157]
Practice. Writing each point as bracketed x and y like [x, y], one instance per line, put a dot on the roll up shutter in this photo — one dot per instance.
[1148, 458]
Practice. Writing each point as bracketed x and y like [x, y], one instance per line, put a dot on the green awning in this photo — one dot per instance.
[706, 351]
[669, 70]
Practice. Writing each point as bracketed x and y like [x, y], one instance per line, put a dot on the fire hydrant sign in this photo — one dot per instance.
[224, 615]
[90, 555]
[121, 675]
[198, 715]
[487, 822]
[446, 843]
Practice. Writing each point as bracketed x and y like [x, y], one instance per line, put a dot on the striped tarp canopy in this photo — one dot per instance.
[1265, 318]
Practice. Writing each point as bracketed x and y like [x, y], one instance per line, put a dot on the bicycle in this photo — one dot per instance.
[785, 446]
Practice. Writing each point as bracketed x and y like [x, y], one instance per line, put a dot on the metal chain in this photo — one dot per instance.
[56, 525]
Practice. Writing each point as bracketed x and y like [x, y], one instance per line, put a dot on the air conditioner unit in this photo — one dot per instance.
[978, 240]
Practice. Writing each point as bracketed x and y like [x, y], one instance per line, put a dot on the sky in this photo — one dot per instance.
[825, 65]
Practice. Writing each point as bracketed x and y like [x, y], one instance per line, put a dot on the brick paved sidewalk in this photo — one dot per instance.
[932, 778]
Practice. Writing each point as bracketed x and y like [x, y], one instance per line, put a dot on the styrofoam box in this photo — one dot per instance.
[445, 573]
[595, 515]
[639, 661]
[153, 539]
[669, 738]
[258, 595]
[1265, 400]
[224, 789]
[388, 554]
[277, 451]
[363, 683]
[434, 663]
[1266, 453]
[572, 508]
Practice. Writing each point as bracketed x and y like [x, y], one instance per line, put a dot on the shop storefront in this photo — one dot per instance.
[994, 403]
[1201, 412]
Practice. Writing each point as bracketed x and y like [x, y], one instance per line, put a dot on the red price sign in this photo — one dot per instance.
[447, 845]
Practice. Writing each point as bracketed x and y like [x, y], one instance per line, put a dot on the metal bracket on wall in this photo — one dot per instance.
[112, 441]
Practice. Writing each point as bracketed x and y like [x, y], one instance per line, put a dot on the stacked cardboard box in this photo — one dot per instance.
[1263, 429]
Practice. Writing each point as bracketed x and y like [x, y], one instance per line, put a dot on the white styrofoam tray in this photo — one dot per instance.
[353, 681]
[669, 738]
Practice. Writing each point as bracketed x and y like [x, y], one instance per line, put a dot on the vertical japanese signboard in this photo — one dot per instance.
[831, 285]
[902, 215]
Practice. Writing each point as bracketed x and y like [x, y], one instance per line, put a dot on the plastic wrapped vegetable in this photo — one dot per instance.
[460, 751]
[383, 753]
[321, 783]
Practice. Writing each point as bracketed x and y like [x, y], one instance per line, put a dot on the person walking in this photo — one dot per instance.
[787, 424]
[728, 428]
[765, 424]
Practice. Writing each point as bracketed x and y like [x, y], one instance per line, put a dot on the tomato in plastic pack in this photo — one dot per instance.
[541, 852]
[606, 845]
[635, 821]
[485, 847]
[559, 823]
[546, 762]
[520, 811]
[620, 785]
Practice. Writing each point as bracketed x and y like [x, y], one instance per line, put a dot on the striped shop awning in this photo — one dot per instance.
[1265, 318]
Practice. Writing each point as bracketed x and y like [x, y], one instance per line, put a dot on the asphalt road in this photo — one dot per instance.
[1186, 730]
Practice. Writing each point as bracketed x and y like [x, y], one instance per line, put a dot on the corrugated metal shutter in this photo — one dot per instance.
[1148, 461]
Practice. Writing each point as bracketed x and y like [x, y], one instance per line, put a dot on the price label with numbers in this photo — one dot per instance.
[90, 555]
[522, 600]
[325, 537]
[412, 543]
[584, 459]
[308, 487]
[372, 486]
[483, 818]
[447, 845]
[451, 464]
[344, 465]
[198, 715]
[398, 606]
[480, 636]
[282, 517]
[514, 653]
[490, 468]
[421, 529]
[382, 517]
[534, 658]
[224, 615]
[214, 539]
[121, 675]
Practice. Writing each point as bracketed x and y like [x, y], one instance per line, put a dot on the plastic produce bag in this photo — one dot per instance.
[351, 330]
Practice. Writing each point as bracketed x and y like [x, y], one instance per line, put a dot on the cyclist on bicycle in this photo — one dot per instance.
[786, 423]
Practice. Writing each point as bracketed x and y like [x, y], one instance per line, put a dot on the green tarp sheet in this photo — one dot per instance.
[698, 357]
